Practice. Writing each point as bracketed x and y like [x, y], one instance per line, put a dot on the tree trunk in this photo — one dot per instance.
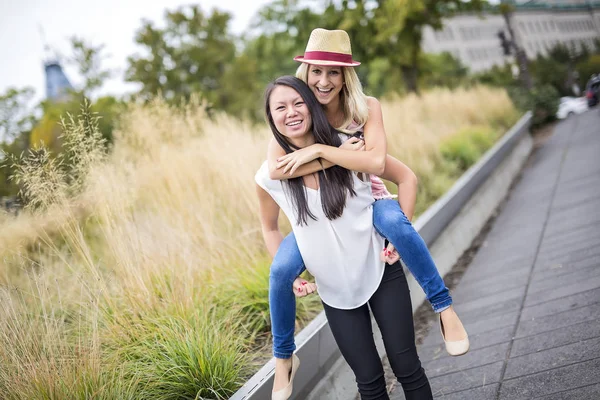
[520, 55]
[409, 74]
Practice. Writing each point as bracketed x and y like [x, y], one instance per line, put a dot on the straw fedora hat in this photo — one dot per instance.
[330, 48]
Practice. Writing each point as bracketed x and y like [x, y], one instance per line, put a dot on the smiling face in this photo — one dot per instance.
[326, 83]
[290, 115]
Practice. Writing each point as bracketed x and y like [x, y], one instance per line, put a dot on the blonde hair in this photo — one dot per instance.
[352, 97]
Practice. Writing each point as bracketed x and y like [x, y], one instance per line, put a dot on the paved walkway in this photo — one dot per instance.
[531, 297]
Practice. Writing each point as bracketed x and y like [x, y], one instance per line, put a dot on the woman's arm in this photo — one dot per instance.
[269, 214]
[397, 172]
[370, 161]
[275, 151]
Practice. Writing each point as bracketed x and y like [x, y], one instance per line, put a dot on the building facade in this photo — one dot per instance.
[538, 26]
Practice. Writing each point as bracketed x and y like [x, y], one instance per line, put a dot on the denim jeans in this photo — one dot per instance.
[390, 222]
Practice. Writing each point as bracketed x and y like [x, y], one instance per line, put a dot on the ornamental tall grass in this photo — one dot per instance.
[141, 272]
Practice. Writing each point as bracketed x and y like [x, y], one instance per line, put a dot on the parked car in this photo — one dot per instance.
[571, 105]
[592, 91]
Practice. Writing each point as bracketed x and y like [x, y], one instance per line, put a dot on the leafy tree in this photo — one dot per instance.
[496, 76]
[107, 109]
[15, 117]
[442, 70]
[507, 8]
[542, 100]
[562, 67]
[16, 120]
[88, 59]
[7, 187]
[47, 131]
[551, 71]
[190, 55]
[588, 67]
[241, 91]
[596, 46]
[385, 34]
[396, 30]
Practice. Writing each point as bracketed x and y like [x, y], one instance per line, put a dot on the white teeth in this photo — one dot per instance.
[294, 123]
[324, 90]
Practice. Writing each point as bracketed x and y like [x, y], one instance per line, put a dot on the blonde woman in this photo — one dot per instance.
[328, 70]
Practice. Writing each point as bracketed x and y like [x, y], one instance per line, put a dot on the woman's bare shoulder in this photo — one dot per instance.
[372, 101]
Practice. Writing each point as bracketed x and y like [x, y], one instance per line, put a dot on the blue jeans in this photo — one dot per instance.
[390, 222]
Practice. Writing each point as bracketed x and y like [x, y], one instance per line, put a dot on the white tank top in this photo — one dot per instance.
[342, 254]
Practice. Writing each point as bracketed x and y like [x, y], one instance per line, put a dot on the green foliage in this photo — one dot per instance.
[466, 147]
[588, 67]
[7, 186]
[108, 109]
[16, 121]
[190, 55]
[563, 67]
[557, 69]
[496, 76]
[15, 117]
[442, 70]
[433, 186]
[552, 72]
[248, 293]
[48, 130]
[386, 35]
[195, 53]
[541, 100]
[196, 356]
[88, 60]
[241, 93]
[45, 178]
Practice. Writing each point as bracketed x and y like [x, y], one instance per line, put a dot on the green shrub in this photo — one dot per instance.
[466, 146]
[248, 293]
[500, 76]
[541, 100]
[587, 68]
[197, 356]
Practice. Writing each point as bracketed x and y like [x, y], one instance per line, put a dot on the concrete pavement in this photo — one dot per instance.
[530, 298]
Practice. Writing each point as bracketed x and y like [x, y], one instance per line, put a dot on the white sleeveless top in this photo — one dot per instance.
[342, 254]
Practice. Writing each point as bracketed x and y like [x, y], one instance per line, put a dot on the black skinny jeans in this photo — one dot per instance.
[353, 333]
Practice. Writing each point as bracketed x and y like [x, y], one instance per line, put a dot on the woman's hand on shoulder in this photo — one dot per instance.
[354, 144]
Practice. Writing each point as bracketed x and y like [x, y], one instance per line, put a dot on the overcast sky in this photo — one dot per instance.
[109, 22]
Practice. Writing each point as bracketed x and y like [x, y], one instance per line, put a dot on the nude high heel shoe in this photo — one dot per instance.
[286, 392]
[455, 348]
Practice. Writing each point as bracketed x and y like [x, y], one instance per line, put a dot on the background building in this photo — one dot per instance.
[58, 86]
[538, 26]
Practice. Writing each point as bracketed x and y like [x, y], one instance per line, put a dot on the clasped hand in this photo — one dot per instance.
[294, 160]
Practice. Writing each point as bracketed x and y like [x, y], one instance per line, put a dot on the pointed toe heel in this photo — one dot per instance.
[286, 392]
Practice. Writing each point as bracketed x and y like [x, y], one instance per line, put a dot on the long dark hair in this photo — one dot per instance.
[334, 184]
